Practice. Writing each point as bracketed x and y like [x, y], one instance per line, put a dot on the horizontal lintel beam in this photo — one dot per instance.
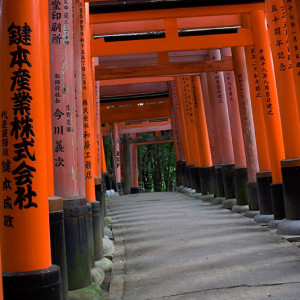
[170, 69]
[243, 37]
[150, 140]
[176, 13]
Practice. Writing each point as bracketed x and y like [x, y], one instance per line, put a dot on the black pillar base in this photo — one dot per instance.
[228, 180]
[187, 177]
[97, 230]
[197, 180]
[219, 181]
[264, 179]
[207, 180]
[120, 188]
[240, 180]
[182, 172]
[77, 242]
[277, 201]
[57, 239]
[91, 235]
[192, 176]
[290, 169]
[178, 175]
[35, 285]
[252, 195]
[134, 190]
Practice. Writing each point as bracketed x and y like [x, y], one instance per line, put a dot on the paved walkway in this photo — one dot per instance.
[171, 246]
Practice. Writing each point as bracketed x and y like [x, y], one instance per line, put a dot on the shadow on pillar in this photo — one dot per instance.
[183, 172]
[192, 177]
[290, 169]
[240, 185]
[252, 200]
[91, 235]
[135, 190]
[264, 180]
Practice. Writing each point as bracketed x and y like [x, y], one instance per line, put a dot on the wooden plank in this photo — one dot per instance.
[171, 69]
[242, 38]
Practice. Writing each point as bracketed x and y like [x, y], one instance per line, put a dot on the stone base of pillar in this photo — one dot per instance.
[219, 181]
[251, 213]
[57, 238]
[240, 185]
[252, 195]
[240, 208]
[264, 180]
[92, 292]
[274, 223]
[277, 201]
[197, 180]
[229, 203]
[135, 190]
[228, 179]
[217, 201]
[207, 180]
[263, 219]
[35, 285]
[289, 227]
[207, 198]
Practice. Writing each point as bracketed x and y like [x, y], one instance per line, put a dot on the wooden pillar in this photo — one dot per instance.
[23, 154]
[62, 100]
[87, 103]
[293, 30]
[134, 186]
[47, 97]
[289, 119]
[98, 125]
[220, 111]
[271, 116]
[78, 98]
[234, 115]
[126, 164]
[116, 151]
[103, 161]
[211, 126]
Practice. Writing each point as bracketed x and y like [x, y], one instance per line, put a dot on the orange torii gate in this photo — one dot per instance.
[179, 49]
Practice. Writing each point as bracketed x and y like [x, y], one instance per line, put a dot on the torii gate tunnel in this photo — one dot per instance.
[224, 76]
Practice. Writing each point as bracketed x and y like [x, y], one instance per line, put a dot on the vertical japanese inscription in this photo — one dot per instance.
[20, 128]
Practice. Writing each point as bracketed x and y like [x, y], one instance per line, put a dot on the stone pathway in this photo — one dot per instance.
[171, 246]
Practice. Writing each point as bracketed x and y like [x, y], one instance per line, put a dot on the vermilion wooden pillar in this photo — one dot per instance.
[24, 214]
[78, 98]
[116, 151]
[179, 132]
[185, 97]
[134, 167]
[271, 115]
[289, 120]
[293, 30]
[218, 103]
[259, 123]
[234, 115]
[212, 130]
[241, 77]
[205, 170]
[62, 100]
[186, 148]
[87, 106]
[98, 125]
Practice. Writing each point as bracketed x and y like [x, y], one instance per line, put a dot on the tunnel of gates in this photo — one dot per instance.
[222, 75]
